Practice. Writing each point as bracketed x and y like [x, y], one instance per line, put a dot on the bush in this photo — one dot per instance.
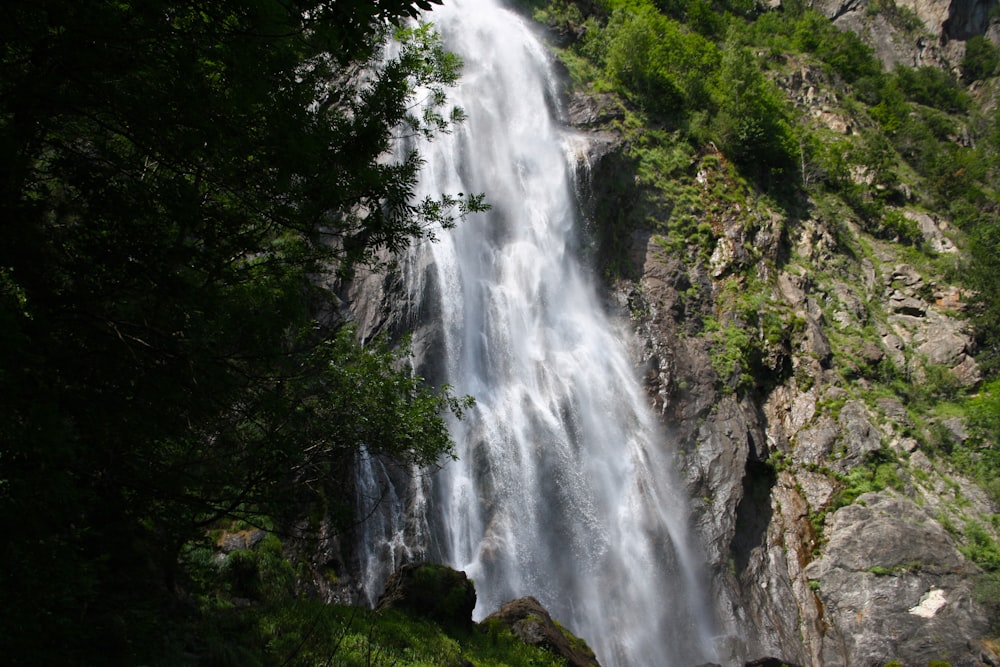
[933, 87]
[654, 61]
[753, 124]
[981, 60]
[842, 50]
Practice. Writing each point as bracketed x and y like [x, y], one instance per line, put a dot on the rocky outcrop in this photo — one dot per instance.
[764, 464]
[436, 592]
[447, 597]
[893, 586]
[529, 621]
[936, 37]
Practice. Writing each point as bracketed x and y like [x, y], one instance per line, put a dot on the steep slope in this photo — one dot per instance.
[809, 356]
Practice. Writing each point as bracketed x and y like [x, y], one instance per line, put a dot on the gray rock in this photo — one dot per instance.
[859, 437]
[594, 110]
[931, 231]
[816, 343]
[904, 304]
[816, 487]
[894, 587]
[793, 288]
[240, 540]
[815, 445]
[894, 409]
[945, 345]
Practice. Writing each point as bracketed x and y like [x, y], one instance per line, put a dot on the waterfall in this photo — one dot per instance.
[564, 487]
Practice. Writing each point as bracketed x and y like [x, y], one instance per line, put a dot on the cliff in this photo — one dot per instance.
[801, 364]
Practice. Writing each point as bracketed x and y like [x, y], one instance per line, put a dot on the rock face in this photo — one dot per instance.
[804, 570]
[937, 38]
[529, 620]
[892, 585]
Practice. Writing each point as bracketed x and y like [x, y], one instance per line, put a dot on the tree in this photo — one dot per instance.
[176, 178]
[661, 66]
[753, 124]
[981, 59]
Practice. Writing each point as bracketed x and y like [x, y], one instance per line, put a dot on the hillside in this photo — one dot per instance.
[796, 207]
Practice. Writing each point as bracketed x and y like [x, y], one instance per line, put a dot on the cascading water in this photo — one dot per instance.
[562, 489]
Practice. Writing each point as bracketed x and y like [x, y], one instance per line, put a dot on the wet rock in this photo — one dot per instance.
[530, 621]
[594, 110]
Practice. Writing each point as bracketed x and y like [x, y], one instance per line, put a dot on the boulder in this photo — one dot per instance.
[529, 620]
[240, 540]
[595, 110]
[894, 586]
[436, 592]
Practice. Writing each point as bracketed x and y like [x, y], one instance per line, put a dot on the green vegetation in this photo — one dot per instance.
[981, 60]
[177, 180]
[707, 88]
[698, 74]
[251, 616]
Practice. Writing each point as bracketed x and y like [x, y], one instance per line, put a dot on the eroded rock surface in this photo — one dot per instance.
[880, 579]
[894, 586]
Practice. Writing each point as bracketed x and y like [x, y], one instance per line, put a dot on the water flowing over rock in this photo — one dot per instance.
[564, 487]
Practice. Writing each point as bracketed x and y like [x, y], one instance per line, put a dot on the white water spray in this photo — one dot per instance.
[562, 489]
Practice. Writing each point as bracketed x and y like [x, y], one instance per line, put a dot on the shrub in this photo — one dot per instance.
[753, 123]
[981, 60]
[933, 87]
[654, 61]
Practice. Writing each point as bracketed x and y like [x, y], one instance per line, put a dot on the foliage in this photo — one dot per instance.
[900, 16]
[311, 633]
[879, 471]
[979, 456]
[731, 345]
[752, 125]
[932, 87]
[248, 612]
[842, 50]
[981, 59]
[177, 180]
[984, 251]
[981, 547]
[653, 60]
